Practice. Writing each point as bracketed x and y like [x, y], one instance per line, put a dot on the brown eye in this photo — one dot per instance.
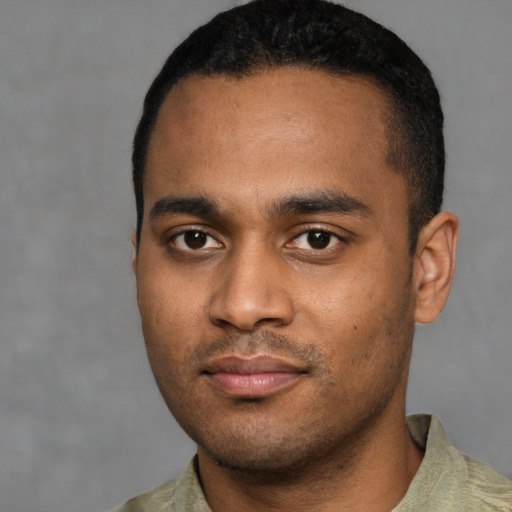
[319, 239]
[195, 240]
[316, 239]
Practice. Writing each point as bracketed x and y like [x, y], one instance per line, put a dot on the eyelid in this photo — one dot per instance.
[321, 229]
[180, 231]
[183, 230]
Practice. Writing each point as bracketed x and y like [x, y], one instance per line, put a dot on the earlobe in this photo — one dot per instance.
[134, 250]
[435, 266]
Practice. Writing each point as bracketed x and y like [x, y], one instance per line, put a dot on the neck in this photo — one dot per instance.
[372, 476]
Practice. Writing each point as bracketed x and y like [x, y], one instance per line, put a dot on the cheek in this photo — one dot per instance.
[173, 311]
[167, 331]
[362, 312]
[161, 327]
[347, 301]
[166, 303]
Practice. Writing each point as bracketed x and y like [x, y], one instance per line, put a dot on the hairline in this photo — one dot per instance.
[393, 128]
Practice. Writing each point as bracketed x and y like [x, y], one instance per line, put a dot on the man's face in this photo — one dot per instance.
[273, 273]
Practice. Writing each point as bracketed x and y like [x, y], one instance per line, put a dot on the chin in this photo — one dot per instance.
[264, 466]
[254, 448]
[268, 454]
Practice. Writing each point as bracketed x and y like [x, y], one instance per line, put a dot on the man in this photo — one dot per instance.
[288, 171]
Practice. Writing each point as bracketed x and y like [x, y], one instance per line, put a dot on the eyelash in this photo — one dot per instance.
[322, 232]
[305, 232]
[184, 233]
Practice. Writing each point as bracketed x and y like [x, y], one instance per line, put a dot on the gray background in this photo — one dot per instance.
[82, 426]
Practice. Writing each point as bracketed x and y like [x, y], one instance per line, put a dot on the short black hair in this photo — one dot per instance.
[317, 34]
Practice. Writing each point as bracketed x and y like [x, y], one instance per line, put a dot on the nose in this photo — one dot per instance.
[251, 291]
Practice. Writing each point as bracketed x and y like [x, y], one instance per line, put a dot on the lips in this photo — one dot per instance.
[253, 377]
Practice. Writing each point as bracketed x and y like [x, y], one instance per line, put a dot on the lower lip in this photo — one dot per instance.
[254, 385]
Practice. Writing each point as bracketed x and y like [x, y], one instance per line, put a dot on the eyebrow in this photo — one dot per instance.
[197, 205]
[301, 204]
[318, 202]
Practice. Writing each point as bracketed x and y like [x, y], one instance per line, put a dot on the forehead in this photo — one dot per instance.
[273, 130]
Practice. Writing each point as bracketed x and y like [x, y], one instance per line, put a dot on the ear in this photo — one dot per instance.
[134, 250]
[435, 266]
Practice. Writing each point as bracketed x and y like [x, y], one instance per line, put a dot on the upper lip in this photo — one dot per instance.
[249, 365]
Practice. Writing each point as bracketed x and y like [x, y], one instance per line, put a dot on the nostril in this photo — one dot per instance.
[248, 315]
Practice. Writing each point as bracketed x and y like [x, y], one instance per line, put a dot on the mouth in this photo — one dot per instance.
[252, 377]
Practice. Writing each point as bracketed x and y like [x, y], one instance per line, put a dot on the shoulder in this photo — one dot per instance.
[155, 500]
[183, 493]
[487, 490]
[450, 480]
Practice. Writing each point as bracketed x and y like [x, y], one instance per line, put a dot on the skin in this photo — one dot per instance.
[274, 228]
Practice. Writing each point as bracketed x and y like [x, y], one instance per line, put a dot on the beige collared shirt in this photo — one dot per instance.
[447, 481]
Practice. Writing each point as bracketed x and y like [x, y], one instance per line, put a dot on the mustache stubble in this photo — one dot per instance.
[263, 342]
